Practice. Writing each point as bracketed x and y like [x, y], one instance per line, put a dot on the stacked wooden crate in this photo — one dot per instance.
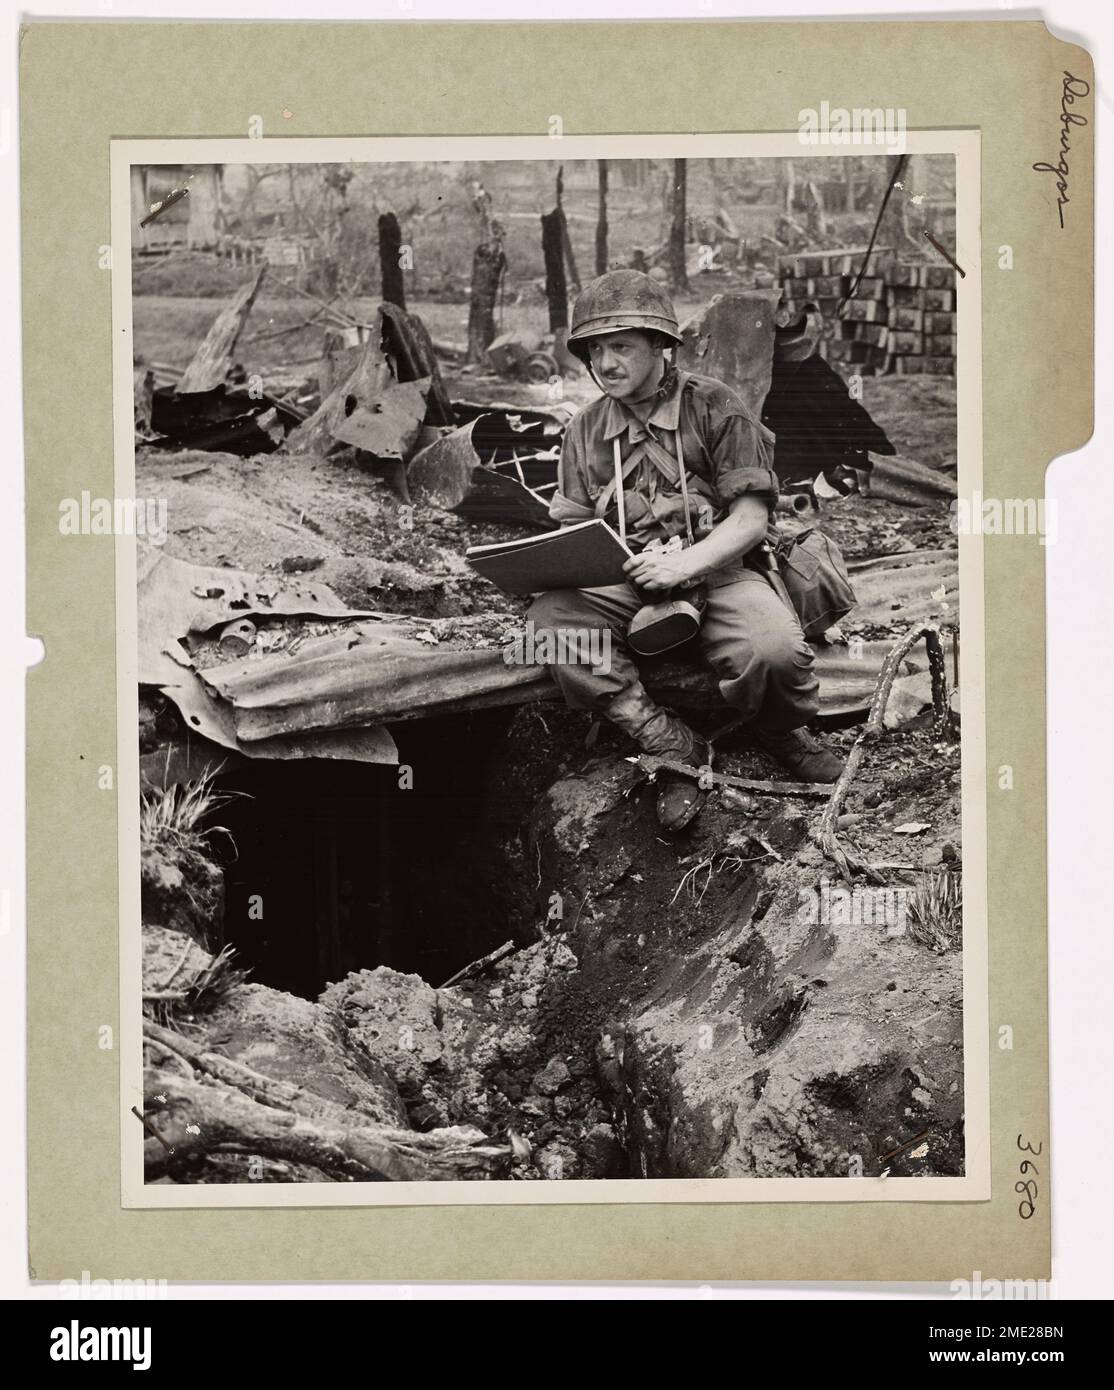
[920, 301]
[901, 319]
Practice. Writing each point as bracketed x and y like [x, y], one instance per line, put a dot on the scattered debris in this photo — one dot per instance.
[369, 410]
[441, 474]
[499, 492]
[478, 967]
[906, 481]
[524, 355]
[653, 765]
[237, 637]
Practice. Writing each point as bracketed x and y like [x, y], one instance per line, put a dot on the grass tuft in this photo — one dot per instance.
[175, 818]
[934, 915]
[197, 994]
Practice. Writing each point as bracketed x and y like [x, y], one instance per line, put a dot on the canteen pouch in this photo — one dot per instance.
[814, 577]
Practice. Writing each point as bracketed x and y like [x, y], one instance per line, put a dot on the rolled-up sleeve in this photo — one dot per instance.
[571, 501]
[742, 454]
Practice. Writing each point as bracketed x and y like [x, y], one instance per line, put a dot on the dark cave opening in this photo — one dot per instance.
[341, 866]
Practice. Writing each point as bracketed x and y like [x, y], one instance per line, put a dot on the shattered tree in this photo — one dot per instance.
[209, 367]
[553, 252]
[601, 220]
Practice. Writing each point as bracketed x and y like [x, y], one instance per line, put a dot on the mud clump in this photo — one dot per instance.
[477, 1054]
[182, 889]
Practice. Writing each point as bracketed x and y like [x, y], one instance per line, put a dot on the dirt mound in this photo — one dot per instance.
[428, 1041]
[180, 888]
[733, 1011]
[294, 1040]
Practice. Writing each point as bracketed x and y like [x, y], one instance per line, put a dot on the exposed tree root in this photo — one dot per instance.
[194, 1119]
[246, 1112]
[824, 834]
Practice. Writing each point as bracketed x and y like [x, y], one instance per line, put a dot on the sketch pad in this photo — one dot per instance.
[587, 556]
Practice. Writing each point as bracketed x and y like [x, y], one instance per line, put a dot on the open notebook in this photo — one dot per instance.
[585, 556]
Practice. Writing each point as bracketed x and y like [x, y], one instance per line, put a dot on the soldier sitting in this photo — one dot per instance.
[665, 453]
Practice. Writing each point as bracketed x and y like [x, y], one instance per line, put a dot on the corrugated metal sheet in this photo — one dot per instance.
[176, 598]
[329, 696]
[913, 587]
[370, 673]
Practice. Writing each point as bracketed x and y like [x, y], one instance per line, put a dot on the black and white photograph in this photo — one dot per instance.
[555, 748]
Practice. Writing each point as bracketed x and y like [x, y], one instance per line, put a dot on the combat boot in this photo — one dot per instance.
[680, 799]
[799, 753]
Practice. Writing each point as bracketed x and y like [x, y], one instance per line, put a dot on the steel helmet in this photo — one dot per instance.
[620, 299]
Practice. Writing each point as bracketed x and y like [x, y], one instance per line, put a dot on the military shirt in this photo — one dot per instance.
[727, 453]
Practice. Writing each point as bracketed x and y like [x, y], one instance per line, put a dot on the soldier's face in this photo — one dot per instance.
[627, 364]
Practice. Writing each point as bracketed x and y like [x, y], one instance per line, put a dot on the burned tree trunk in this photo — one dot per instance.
[390, 260]
[488, 265]
[678, 275]
[144, 393]
[213, 358]
[566, 243]
[570, 256]
[407, 342]
[848, 169]
[553, 250]
[666, 209]
[601, 221]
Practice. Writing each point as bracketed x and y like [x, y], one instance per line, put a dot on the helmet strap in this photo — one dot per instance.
[669, 376]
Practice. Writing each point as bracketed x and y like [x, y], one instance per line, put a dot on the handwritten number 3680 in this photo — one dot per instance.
[1027, 1206]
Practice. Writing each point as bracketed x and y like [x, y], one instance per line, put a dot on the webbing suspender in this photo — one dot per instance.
[684, 487]
[618, 489]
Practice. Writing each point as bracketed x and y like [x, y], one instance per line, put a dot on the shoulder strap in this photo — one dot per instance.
[615, 489]
[620, 501]
[684, 486]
